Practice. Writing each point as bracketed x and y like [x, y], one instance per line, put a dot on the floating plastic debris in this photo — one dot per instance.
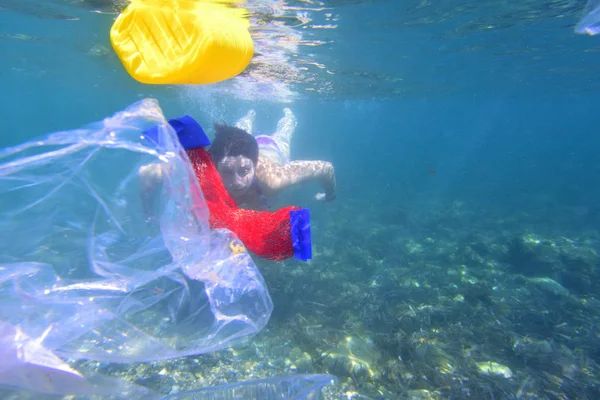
[86, 273]
[590, 22]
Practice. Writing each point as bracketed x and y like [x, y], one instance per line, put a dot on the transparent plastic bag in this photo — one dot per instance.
[32, 368]
[87, 273]
[296, 387]
[589, 23]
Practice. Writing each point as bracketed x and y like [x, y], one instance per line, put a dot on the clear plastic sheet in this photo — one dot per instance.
[87, 273]
[590, 21]
[31, 371]
[297, 387]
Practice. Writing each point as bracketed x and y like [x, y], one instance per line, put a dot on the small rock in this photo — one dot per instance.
[490, 368]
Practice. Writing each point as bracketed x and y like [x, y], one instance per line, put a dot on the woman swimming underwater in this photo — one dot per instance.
[255, 169]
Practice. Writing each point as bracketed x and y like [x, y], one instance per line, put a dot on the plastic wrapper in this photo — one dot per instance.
[297, 387]
[589, 23]
[87, 273]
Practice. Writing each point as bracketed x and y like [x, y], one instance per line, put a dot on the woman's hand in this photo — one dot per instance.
[324, 197]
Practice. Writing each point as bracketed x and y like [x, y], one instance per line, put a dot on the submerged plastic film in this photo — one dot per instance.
[112, 282]
[590, 21]
[87, 273]
[297, 387]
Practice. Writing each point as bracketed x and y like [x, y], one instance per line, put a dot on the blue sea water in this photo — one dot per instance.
[500, 112]
[444, 121]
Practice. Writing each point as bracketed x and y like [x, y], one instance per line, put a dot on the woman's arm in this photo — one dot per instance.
[274, 178]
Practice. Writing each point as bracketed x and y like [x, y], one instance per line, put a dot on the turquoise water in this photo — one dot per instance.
[465, 141]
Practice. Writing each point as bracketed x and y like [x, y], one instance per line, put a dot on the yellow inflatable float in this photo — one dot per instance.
[182, 41]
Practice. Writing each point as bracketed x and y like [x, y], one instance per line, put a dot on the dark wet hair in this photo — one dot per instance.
[232, 141]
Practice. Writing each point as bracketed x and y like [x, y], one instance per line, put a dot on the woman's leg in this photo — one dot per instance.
[285, 129]
[247, 122]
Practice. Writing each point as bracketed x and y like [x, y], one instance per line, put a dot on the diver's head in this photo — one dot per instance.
[235, 154]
